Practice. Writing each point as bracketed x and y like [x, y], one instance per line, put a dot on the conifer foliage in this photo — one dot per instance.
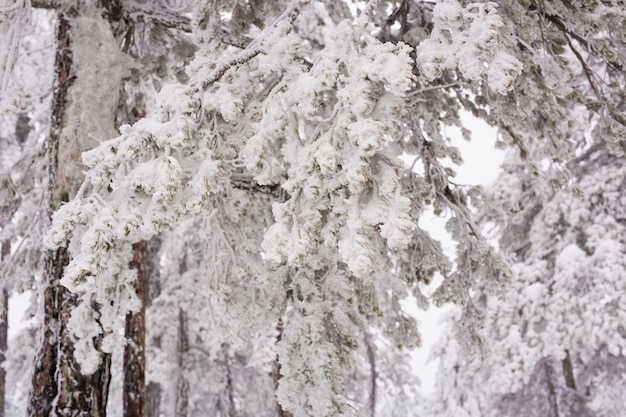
[221, 189]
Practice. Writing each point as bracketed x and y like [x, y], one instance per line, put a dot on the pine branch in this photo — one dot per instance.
[133, 12]
[249, 184]
[254, 48]
[137, 12]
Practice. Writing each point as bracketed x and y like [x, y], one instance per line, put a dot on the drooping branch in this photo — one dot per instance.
[566, 31]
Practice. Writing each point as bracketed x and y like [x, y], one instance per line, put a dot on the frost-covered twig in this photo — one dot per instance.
[432, 87]
[164, 17]
[255, 47]
[367, 11]
[16, 13]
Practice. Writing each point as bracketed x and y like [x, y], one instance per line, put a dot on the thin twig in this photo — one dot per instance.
[432, 87]
[586, 69]
[254, 48]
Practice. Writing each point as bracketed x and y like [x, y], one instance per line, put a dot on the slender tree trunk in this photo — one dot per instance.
[153, 392]
[182, 385]
[552, 394]
[154, 399]
[4, 327]
[280, 412]
[58, 386]
[227, 405]
[568, 371]
[371, 357]
[44, 387]
[135, 350]
[79, 395]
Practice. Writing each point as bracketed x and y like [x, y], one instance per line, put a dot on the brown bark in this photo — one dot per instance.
[44, 387]
[78, 395]
[153, 390]
[58, 386]
[135, 350]
[280, 412]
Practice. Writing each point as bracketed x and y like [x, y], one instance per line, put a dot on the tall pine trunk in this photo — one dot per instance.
[58, 386]
[4, 327]
[371, 358]
[135, 349]
[153, 390]
[276, 375]
[181, 404]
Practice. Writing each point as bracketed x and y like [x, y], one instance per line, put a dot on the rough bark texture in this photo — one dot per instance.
[135, 350]
[44, 387]
[4, 327]
[58, 386]
[79, 395]
[276, 373]
[153, 394]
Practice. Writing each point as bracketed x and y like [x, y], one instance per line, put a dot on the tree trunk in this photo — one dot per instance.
[153, 399]
[4, 327]
[568, 371]
[79, 395]
[58, 386]
[44, 387]
[371, 357]
[135, 350]
[552, 394]
[153, 391]
[227, 402]
[182, 385]
[280, 412]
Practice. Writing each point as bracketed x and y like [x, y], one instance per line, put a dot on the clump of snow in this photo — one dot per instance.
[503, 70]
[467, 39]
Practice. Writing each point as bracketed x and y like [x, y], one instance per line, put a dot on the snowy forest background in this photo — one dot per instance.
[223, 207]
